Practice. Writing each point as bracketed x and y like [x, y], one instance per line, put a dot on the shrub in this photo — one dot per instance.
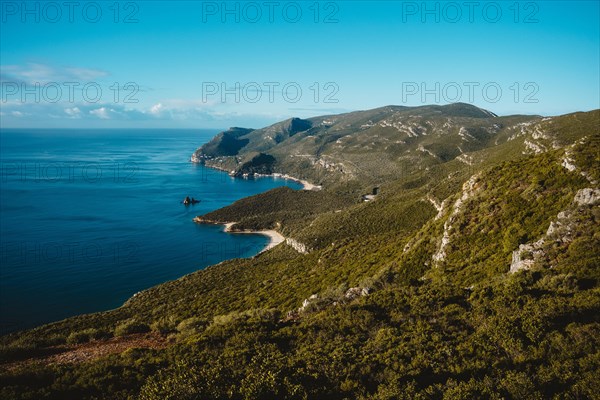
[253, 315]
[191, 325]
[87, 335]
[164, 325]
[131, 326]
[80, 336]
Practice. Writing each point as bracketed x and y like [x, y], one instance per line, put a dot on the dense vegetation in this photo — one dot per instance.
[259, 164]
[281, 208]
[373, 311]
[226, 143]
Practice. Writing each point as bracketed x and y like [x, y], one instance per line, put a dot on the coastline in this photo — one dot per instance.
[275, 238]
[306, 185]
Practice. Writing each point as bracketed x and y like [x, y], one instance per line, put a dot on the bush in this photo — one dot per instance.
[86, 335]
[79, 337]
[191, 326]
[253, 315]
[131, 326]
[164, 325]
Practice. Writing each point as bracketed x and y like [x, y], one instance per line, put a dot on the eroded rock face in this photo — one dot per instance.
[569, 164]
[352, 293]
[468, 190]
[526, 256]
[356, 292]
[296, 245]
[318, 302]
[559, 231]
[587, 196]
[307, 302]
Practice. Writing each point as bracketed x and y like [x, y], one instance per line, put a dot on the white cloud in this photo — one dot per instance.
[31, 73]
[85, 74]
[156, 109]
[73, 112]
[101, 113]
[168, 112]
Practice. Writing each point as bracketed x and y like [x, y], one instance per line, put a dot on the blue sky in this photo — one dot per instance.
[210, 64]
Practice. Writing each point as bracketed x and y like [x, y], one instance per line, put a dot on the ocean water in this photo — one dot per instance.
[89, 218]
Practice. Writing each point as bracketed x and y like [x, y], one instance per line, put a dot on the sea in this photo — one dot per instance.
[90, 217]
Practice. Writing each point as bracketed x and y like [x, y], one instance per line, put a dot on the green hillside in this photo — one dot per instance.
[473, 273]
[369, 146]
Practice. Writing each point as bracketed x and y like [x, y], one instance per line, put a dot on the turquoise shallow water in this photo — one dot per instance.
[88, 218]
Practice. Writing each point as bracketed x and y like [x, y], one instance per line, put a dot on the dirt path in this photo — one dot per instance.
[76, 354]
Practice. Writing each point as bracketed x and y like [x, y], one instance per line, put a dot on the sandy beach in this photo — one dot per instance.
[275, 237]
[305, 184]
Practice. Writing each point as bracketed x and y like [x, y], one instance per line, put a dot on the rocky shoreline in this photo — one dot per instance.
[305, 184]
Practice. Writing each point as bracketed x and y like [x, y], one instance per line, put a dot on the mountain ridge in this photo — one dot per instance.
[391, 132]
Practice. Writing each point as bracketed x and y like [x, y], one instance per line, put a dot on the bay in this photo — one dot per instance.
[90, 217]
